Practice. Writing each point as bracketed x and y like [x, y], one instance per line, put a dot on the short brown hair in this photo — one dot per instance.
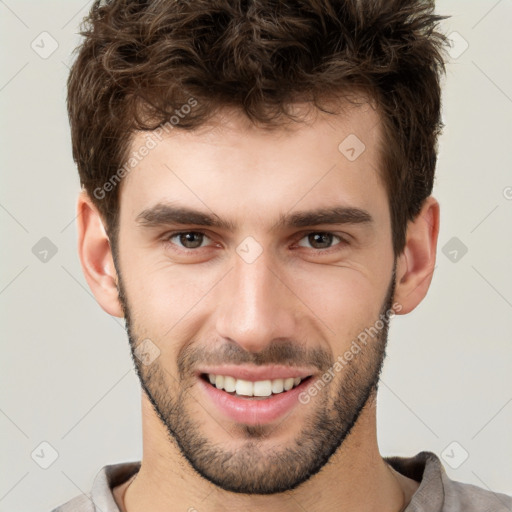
[140, 61]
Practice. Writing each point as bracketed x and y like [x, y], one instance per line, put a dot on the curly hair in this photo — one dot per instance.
[141, 60]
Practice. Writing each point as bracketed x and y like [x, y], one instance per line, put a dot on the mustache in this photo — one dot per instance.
[282, 352]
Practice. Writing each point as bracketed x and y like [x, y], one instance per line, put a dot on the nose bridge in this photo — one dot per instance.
[255, 307]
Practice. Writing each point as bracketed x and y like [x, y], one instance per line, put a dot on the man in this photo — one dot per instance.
[256, 205]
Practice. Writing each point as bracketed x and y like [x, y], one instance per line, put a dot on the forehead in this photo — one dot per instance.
[232, 168]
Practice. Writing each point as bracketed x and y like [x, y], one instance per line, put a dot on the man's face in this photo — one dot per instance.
[265, 296]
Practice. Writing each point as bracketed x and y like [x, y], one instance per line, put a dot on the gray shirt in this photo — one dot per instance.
[436, 493]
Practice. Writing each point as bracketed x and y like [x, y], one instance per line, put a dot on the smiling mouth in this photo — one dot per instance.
[252, 390]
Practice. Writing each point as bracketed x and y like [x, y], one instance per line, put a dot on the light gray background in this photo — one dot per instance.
[67, 377]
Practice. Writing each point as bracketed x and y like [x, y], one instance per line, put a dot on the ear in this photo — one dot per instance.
[96, 256]
[415, 265]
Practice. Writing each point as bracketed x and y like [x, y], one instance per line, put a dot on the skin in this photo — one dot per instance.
[207, 299]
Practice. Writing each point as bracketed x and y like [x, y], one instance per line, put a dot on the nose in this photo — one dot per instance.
[255, 305]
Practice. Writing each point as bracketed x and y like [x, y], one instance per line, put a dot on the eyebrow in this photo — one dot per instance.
[164, 214]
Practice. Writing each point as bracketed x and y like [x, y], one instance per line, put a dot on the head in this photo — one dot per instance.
[257, 180]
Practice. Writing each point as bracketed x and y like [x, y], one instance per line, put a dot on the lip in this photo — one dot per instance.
[250, 411]
[255, 373]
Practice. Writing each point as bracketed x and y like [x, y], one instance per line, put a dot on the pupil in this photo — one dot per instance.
[321, 238]
[188, 242]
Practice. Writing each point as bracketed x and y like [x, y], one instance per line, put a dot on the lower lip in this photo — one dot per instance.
[250, 411]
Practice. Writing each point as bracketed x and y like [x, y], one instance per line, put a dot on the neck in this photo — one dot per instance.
[355, 478]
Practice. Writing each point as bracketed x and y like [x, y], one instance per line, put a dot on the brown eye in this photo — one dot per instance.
[188, 239]
[320, 240]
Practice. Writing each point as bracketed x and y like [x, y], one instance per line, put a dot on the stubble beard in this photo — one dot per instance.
[254, 468]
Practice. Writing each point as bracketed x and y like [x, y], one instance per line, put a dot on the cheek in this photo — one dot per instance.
[346, 299]
[163, 296]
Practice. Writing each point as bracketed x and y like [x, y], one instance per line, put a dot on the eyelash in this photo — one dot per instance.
[342, 241]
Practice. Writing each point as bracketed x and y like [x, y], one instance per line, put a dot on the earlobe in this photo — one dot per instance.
[415, 265]
[96, 256]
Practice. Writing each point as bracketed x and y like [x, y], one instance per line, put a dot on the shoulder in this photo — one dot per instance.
[438, 493]
[81, 503]
[470, 498]
[101, 496]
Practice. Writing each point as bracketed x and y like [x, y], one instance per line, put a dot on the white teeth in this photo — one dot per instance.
[288, 383]
[244, 387]
[248, 388]
[277, 386]
[263, 388]
[219, 381]
[229, 384]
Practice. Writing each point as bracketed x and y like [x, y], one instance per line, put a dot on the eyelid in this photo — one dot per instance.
[166, 238]
[300, 236]
[343, 240]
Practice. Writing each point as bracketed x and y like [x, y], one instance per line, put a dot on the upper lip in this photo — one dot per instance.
[256, 373]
